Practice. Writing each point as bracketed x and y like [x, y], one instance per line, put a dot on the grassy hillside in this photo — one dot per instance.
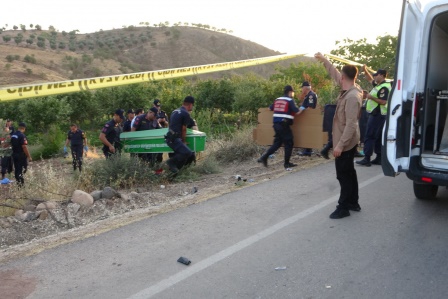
[34, 56]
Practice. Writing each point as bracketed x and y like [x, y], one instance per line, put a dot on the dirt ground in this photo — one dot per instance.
[27, 238]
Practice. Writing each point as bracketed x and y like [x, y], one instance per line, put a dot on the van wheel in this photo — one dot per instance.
[425, 191]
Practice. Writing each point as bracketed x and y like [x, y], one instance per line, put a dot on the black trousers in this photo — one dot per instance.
[374, 129]
[20, 166]
[283, 135]
[346, 175]
[181, 154]
[6, 165]
[77, 152]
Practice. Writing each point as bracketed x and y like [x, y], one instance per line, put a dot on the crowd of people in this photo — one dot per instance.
[154, 118]
[14, 145]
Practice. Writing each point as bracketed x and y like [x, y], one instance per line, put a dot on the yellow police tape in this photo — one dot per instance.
[54, 88]
[343, 60]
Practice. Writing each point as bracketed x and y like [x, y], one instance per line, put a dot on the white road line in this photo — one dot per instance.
[199, 266]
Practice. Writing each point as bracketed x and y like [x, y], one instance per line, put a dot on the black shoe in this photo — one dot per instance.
[263, 160]
[356, 208]
[324, 154]
[289, 165]
[364, 162]
[172, 166]
[339, 213]
[304, 154]
[376, 161]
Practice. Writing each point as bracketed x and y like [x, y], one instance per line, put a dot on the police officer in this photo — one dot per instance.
[127, 124]
[309, 101]
[162, 117]
[284, 111]
[6, 159]
[177, 133]
[110, 134]
[144, 122]
[20, 153]
[376, 107]
[138, 112]
[78, 144]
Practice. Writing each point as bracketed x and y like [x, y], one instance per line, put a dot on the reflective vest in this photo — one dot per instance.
[371, 104]
[282, 108]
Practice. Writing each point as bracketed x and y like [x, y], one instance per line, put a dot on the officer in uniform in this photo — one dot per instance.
[309, 101]
[284, 111]
[110, 134]
[127, 124]
[144, 122]
[177, 133]
[376, 107]
[6, 159]
[161, 115]
[78, 144]
[20, 153]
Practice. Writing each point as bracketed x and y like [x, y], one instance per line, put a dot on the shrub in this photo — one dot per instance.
[239, 147]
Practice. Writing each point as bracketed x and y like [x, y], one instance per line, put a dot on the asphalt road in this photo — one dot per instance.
[396, 247]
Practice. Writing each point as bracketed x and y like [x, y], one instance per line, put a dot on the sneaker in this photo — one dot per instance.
[359, 154]
[339, 213]
[263, 160]
[324, 154]
[376, 161]
[289, 165]
[356, 208]
[364, 162]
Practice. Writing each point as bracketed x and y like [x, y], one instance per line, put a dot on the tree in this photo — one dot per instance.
[15, 27]
[23, 27]
[38, 27]
[375, 55]
[6, 38]
[18, 39]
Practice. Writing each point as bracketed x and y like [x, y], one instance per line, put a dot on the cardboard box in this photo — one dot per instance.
[307, 129]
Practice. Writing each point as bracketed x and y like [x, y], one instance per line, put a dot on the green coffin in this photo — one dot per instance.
[153, 141]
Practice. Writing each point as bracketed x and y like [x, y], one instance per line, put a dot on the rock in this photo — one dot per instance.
[48, 205]
[82, 198]
[30, 208]
[18, 213]
[97, 195]
[4, 223]
[135, 195]
[108, 193]
[28, 216]
[73, 208]
[43, 215]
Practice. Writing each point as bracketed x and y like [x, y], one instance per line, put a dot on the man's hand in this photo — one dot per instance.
[112, 149]
[319, 56]
[337, 151]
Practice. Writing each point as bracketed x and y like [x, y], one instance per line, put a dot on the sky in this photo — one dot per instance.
[287, 26]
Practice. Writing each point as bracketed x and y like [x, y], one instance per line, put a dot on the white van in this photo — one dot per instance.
[415, 139]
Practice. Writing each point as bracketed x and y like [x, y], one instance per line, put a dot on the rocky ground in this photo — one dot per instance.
[68, 221]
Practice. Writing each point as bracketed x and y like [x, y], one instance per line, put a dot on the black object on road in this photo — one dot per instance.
[184, 260]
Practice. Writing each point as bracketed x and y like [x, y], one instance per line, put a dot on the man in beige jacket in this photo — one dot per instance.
[345, 135]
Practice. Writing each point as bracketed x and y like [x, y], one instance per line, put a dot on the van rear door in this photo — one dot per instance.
[399, 131]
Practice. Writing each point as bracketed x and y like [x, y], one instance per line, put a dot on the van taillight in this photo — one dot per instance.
[426, 180]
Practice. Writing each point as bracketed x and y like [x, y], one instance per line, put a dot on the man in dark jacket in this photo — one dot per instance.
[284, 111]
